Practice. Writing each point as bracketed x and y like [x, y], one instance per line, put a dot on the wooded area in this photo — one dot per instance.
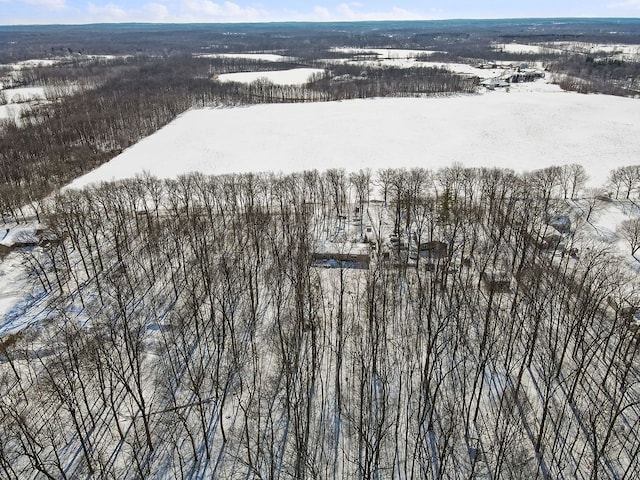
[188, 333]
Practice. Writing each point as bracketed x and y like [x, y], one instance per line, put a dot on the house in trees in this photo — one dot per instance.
[560, 223]
[434, 250]
[553, 241]
[554, 236]
[24, 236]
[626, 310]
[497, 279]
[342, 255]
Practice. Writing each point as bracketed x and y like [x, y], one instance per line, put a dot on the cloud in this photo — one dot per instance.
[108, 13]
[156, 11]
[629, 4]
[111, 12]
[48, 4]
[206, 10]
[184, 11]
[352, 11]
[321, 13]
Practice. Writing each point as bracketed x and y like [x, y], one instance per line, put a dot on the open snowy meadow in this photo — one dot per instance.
[531, 126]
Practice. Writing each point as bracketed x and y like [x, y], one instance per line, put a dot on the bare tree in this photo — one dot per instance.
[629, 230]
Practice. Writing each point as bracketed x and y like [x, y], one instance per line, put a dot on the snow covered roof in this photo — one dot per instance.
[21, 236]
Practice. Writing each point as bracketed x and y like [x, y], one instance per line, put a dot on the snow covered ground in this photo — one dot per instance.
[382, 53]
[621, 51]
[23, 98]
[517, 48]
[24, 94]
[15, 290]
[10, 111]
[19, 100]
[265, 57]
[461, 68]
[294, 76]
[533, 126]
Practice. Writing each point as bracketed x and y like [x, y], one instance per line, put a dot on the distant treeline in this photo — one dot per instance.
[308, 40]
[587, 74]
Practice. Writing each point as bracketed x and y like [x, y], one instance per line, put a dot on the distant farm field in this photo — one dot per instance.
[530, 127]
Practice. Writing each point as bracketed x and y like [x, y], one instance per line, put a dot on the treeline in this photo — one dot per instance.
[24, 42]
[188, 334]
[54, 143]
[586, 74]
[353, 81]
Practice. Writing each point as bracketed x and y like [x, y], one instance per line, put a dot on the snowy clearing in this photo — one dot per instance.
[10, 111]
[521, 130]
[621, 51]
[461, 68]
[24, 94]
[44, 62]
[20, 100]
[389, 53]
[265, 57]
[295, 76]
[518, 48]
[465, 69]
[15, 288]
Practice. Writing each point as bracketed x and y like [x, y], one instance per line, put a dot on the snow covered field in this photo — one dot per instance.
[23, 98]
[19, 100]
[24, 94]
[382, 53]
[533, 126]
[621, 51]
[265, 57]
[294, 76]
[517, 48]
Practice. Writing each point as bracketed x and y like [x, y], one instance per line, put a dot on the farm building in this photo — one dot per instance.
[493, 83]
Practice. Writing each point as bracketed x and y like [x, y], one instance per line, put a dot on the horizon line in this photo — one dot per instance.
[274, 22]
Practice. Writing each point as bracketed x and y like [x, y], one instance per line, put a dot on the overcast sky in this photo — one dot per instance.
[84, 11]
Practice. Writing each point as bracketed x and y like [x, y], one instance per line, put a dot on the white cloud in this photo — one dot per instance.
[156, 12]
[183, 11]
[321, 13]
[629, 4]
[206, 10]
[48, 4]
[353, 12]
[108, 13]
[111, 12]
[345, 11]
